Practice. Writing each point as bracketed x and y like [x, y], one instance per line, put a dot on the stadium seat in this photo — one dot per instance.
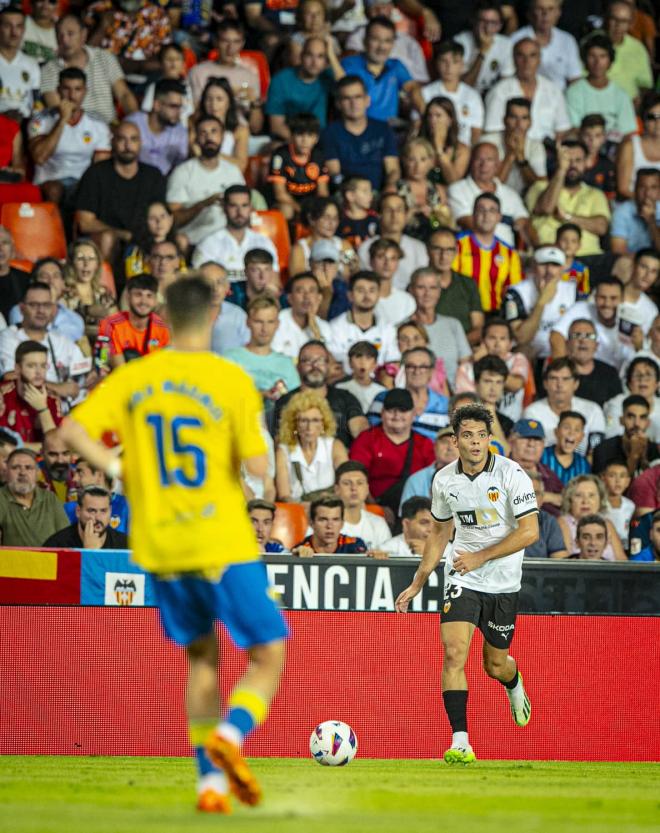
[36, 228]
[273, 225]
[375, 509]
[108, 279]
[290, 524]
[19, 192]
[260, 63]
[21, 265]
[254, 174]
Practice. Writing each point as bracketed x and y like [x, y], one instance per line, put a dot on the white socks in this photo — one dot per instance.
[459, 740]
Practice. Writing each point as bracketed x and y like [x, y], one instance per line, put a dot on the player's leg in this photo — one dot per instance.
[255, 624]
[202, 708]
[456, 638]
[497, 625]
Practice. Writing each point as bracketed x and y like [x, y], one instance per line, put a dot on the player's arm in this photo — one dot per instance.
[75, 437]
[526, 534]
[441, 533]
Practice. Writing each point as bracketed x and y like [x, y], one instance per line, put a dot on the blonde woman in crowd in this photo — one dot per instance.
[585, 495]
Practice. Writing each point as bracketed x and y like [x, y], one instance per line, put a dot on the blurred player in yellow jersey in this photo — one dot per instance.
[187, 419]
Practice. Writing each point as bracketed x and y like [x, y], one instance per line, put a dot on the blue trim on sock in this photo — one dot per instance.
[204, 765]
[241, 719]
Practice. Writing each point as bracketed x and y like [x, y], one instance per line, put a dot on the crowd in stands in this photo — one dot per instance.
[402, 207]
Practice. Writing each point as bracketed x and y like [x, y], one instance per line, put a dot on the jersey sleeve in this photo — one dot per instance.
[521, 493]
[439, 507]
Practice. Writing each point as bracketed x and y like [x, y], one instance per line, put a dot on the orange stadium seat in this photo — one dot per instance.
[19, 192]
[290, 524]
[375, 509]
[260, 63]
[273, 225]
[108, 279]
[36, 228]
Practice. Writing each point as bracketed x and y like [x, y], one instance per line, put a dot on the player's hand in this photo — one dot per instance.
[377, 554]
[36, 398]
[90, 538]
[465, 562]
[303, 551]
[404, 598]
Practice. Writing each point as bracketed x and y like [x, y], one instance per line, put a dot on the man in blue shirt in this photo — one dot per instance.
[383, 76]
[636, 223]
[419, 483]
[230, 328]
[356, 145]
[303, 89]
[652, 552]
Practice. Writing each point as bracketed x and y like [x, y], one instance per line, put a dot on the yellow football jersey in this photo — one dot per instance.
[186, 420]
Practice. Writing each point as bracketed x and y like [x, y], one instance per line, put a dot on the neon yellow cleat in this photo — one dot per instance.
[460, 755]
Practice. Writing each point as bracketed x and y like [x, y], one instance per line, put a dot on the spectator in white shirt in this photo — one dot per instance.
[394, 305]
[65, 140]
[299, 323]
[19, 75]
[488, 54]
[646, 270]
[466, 100]
[560, 56]
[417, 522]
[549, 115]
[363, 360]
[352, 487]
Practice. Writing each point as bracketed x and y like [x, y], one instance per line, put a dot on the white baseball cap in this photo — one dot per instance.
[550, 254]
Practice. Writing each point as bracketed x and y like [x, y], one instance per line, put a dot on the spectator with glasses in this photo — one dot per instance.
[642, 377]
[164, 139]
[488, 54]
[597, 382]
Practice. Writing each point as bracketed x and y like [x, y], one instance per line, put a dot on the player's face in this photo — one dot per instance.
[635, 421]
[569, 434]
[569, 243]
[445, 451]
[442, 251]
[472, 442]
[560, 385]
[262, 521]
[38, 309]
[582, 342]
[363, 368]
[32, 369]
[645, 273]
[644, 381]
[22, 475]
[327, 525]
[73, 89]
[616, 479]
[353, 489]
[393, 215]
[378, 44]
[497, 341]
[490, 387]
[591, 541]
[364, 296]
[586, 500]
[309, 425]
[313, 366]
[397, 423]
[486, 216]
[262, 324]
[450, 67]
[426, 292]
[607, 298]
[420, 526]
[141, 302]
[95, 509]
[385, 263]
[305, 297]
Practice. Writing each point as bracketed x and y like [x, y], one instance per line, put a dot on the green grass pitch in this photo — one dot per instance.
[156, 795]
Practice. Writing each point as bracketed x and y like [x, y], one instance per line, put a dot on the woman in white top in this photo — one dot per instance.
[640, 151]
[217, 99]
[323, 220]
[307, 452]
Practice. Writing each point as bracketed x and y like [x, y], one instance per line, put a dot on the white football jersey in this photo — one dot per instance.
[519, 303]
[485, 508]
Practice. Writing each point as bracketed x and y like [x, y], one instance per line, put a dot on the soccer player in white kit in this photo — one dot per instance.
[487, 503]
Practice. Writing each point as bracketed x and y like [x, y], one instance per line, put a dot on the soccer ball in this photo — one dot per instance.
[333, 743]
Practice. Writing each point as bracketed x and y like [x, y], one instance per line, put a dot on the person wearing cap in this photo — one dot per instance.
[361, 323]
[262, 515]
[536, 304]
[324, 264]
[618, 338]
[392, 451]
[526, 443]
[560, 381]
[597, 382]
[419, 483]
[431, 408]
[299, 322]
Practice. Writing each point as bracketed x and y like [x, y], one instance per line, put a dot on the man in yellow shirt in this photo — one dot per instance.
[187, 419]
